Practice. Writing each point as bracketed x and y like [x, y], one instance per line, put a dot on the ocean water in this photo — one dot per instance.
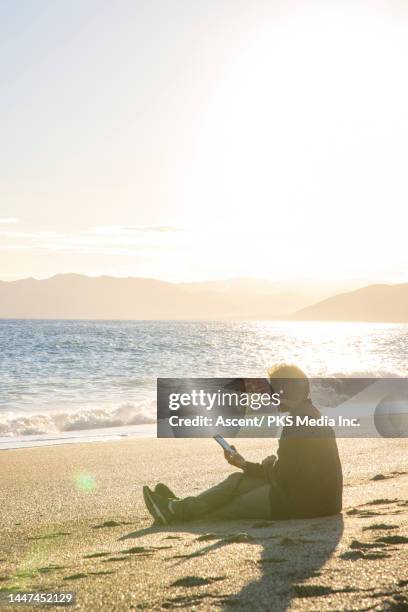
[61, 380]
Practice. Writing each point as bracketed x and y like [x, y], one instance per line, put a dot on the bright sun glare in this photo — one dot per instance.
[276, 148]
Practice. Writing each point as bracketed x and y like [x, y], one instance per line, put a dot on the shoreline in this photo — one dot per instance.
[80, 436]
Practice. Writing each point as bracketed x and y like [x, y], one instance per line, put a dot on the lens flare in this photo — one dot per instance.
[85, 482]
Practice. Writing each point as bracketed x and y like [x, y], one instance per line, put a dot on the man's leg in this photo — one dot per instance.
[223, 493]
[255, 504]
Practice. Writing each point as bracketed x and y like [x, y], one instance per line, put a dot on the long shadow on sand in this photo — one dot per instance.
[289, 561]
[292, 553]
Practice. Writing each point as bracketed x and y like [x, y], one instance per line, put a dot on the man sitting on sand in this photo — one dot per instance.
[305, 480]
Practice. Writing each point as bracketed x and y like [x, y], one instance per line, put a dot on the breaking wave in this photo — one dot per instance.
[23, 424]
[328, 392]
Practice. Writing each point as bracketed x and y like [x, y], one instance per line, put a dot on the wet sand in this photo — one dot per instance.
[73, 518]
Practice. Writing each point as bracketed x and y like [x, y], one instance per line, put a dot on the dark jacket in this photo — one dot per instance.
[306, 479]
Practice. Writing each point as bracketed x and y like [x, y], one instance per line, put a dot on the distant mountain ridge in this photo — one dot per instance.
[75, 296]
[375, 303]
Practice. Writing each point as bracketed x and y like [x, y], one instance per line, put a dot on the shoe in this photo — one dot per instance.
[158, 507]
[164, 491]
[146, 498]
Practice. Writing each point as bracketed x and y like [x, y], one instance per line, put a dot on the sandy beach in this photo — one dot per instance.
[73, 518]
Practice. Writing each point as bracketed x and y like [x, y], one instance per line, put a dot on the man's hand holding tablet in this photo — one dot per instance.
[231, 454]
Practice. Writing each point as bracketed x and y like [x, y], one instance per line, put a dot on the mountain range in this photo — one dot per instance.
[75, 296]
[383, 303]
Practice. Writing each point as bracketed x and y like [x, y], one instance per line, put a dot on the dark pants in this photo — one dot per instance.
[236, 497]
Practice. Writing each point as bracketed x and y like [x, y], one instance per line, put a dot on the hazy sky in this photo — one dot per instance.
[193, 139]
